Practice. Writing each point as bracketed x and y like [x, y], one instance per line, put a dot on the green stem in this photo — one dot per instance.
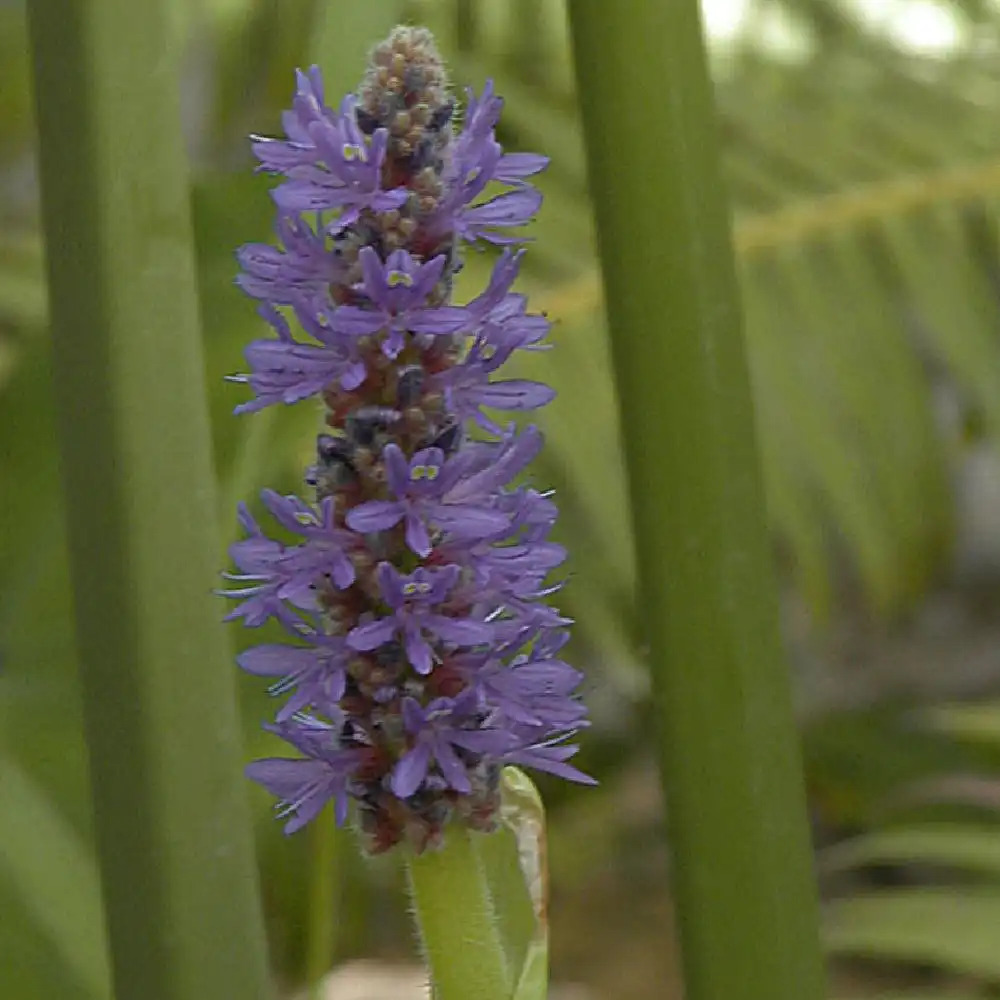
[743, 877]
[173, 828]
[466, 25]
[456, 922]
[324, 883]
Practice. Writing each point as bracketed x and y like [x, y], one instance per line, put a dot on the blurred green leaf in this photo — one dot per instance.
[22, 283]
[919, 996]
[55, 875]
[973, 723]
[956, 929]
[959, 846]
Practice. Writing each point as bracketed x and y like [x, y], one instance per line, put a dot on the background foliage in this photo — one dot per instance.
[864, 168]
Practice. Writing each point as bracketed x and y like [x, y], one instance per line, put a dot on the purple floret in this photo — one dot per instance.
[305, 785]
[412, 599]
[422, 486]
[439, 732]
[397, 291]
[329, 162]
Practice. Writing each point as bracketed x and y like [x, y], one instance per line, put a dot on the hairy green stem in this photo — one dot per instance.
[173, 828]
[456, 922]
[743, 877]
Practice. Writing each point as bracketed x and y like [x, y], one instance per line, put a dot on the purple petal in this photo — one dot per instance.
[391, 584]
[551, 759]
[304, 786]
[452, 768]
[274, 659]
[302, 196]
[464, 522]
[385, 201]
[372, 634]
[416, 534]
[413, 715]
[446, 319]
[353, 321]
[373, 273]
[409, 773]
[418, 652]
[375, 515]
[513, 208]
[516, 166]
[397, 469]
[343, 571]
[428, 276]
[460, 631]
[515, 394]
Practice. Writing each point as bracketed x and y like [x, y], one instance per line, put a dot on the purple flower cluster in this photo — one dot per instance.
[423, 656]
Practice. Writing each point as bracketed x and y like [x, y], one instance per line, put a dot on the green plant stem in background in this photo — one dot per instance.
[173, 830]
[743, 873]
[466, 25]
[455, 918]
[325, 879]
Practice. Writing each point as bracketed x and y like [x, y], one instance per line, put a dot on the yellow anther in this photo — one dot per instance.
[352, 151]
[399, 278]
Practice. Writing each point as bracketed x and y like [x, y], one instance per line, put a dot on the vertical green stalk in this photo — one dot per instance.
[455, 919]
[527, 41]
[466, 24]
[325, 877]
[730, 764]
[173, 830]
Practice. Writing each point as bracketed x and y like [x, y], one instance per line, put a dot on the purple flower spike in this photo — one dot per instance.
[418, 567]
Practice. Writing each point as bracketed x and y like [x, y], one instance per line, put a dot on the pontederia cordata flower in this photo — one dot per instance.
[422, 652]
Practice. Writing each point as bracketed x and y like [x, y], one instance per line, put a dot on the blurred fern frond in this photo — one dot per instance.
[941, 846]
[864, 181]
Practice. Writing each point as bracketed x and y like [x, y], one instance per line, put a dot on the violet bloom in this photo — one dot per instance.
[479, 221]
[550, 755]
[330, 163]
[301, 265]
[325, 553]
[421, 487]
[468, 388]
[439, 733]
[303, 786]
[398, 291]
[286, 371]
[262, 578]
[411, 599]
[312, 675]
